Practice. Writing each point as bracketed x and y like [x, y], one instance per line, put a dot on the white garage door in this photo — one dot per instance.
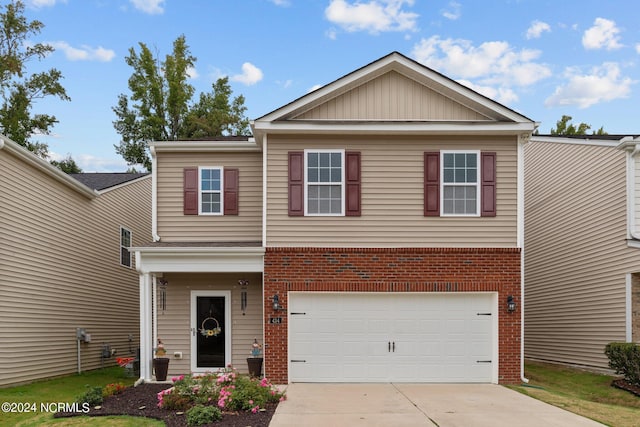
[401, 337]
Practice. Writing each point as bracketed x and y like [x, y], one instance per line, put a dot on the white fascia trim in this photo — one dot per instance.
[46, 167]
[417, 128]
[201, 260]
[631, 243]
[205, 146]
[576, 141]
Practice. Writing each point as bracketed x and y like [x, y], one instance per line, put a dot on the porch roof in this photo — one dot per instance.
[200, 257]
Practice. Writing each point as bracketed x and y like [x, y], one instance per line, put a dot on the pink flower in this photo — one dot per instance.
[250, 402]
[255, 409]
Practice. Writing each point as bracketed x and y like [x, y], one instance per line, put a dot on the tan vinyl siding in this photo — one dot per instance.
[392, 196]
[60, 269]
[576, 255]
[392, 96]
[174, 322]
[173, 226]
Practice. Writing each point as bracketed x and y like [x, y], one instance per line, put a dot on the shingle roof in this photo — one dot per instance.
[103, 180]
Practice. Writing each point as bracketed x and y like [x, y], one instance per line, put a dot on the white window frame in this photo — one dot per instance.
[466, 184]
[342, 182]
[200, 191]
[122, 246]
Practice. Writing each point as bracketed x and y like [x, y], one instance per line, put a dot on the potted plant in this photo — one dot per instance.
[255, 361]
[160, 363]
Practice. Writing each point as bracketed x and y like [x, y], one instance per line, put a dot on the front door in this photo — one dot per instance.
[210, 330]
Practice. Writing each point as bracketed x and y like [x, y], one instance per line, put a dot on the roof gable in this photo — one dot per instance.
[393, 88]
[102, 180]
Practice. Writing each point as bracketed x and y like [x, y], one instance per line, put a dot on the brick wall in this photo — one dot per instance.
[393, 270]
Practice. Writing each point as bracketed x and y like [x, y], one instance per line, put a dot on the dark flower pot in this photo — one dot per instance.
[161, 366]
[255, 366]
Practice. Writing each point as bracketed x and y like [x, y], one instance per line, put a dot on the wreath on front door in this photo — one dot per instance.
[213, 332]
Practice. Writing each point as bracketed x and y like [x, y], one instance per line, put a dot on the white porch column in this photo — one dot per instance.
[146, 339]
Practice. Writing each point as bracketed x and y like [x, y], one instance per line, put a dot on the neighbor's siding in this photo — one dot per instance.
[174, 226]
[174, 326]
[392, 196]
[60, 269]
[392, 96]
[576, 255]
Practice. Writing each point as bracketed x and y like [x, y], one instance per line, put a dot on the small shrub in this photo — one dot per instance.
[93, 396]
[113, 388]
[624, 358]
[170, 399]
[200, 414]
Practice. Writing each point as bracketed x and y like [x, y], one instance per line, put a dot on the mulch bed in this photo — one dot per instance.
[623, 385]
[142, 401]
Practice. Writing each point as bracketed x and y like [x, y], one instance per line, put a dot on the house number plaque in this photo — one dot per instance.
[275, 320]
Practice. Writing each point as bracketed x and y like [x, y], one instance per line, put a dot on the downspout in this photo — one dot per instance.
[522, 140]
[631, 210]
[154, 197]
[264, 241]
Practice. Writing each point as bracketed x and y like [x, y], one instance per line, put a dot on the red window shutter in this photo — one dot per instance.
[488, 184]
[190, 189]
[231, 184]
[432, 183]
[296, 183]
[352, 178]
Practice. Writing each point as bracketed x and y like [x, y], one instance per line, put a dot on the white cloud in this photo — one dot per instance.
[454, 11]
[495, 63]
[504, 95]
[638, 48]
[152, 7]
[603, 35]
[374, 16]
[38, 4]
[536, 29]
[84, 53]
[285, 84]
[283, 3]
[90, 163]
[331, 33]
[192, 73]
[603, 83]
[314, 87]
[250, 74]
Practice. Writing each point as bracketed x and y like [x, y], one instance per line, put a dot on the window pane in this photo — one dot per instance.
[325, 206]
[448, 175]
[312, 160]
[206, 185]
[448, 206]
[336, 191]
[460, 160]
[312, 175]
[458, 192]
[448, 192]
[471, 192]
[471, 207]
[472, 160]
[324, 175]
[448, 160]
[324, 191]
[313, 192]
[313, 206]
[206, 174]
[458, 206]
[336, 160]
[336, 206]
[336, 175]
[472, 175]
[324, 160]
[460, 175]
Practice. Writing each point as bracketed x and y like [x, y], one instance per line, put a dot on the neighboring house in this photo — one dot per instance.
[582, 246]
[65, 264]
[370, 231]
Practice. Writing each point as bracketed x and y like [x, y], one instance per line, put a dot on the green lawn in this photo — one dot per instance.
[586, 393]
[66, 389]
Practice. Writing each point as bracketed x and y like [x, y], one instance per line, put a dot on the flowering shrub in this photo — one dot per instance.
[227, 390]
[113, 388]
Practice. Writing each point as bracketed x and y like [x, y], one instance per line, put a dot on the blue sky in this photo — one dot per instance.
[541, 58]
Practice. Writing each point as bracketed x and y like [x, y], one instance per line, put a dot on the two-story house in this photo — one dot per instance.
[369, 231]
[68, 284]
[582, 263]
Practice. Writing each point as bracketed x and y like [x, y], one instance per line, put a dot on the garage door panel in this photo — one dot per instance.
[437, 337]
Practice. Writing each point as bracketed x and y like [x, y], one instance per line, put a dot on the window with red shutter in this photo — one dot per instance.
[296, 183]
[352, 178]
[432, 183]
[190, 191]
[231, 184]
[488, 184]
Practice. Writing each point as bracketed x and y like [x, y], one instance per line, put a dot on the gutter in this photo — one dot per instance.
[632, 147]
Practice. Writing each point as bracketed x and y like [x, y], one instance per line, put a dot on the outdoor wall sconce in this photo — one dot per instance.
[243, 295]
[511, 304]
[276, 303]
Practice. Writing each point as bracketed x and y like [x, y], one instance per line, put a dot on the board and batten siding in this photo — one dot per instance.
[576, 254]
[392, 176]
[392, 96]
[174, 226]
[60, 270]
[174, 328]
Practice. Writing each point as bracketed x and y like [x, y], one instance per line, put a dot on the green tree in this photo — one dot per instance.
[564, 127]
[19, 89]
[160, 106]
[67, 165]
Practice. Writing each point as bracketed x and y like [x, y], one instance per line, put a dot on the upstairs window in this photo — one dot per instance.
[210, 199]
[460, 186]
[324, 182]
[125, 244]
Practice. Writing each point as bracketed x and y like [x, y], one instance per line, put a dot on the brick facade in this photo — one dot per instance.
[393, 270]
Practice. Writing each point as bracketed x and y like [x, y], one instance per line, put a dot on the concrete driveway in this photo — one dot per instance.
[412, 405]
